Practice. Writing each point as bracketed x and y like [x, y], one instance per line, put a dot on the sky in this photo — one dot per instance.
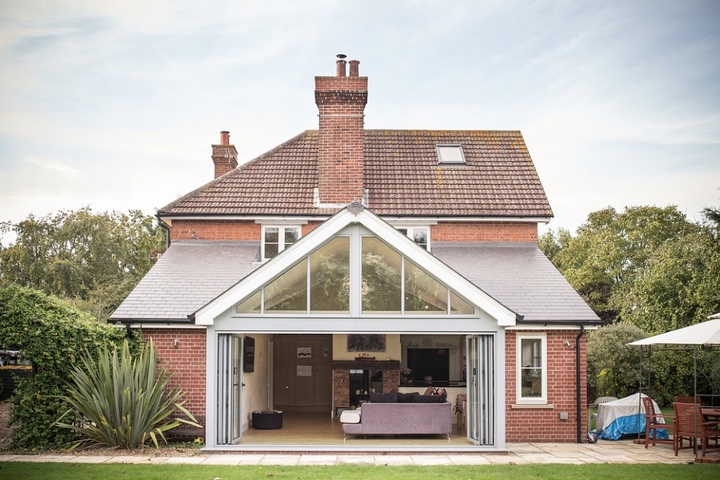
[114, 105]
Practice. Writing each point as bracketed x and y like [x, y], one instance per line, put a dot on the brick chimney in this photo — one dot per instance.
[341, 103]
[224, 155]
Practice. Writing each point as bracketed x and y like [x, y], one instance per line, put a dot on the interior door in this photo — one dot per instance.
[481, 389]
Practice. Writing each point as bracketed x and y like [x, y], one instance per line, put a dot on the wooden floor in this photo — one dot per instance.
[318, 429]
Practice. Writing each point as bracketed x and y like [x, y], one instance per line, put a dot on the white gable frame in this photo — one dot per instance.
[355, 213]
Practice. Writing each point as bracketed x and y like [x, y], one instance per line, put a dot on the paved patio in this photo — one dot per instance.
[624, 451]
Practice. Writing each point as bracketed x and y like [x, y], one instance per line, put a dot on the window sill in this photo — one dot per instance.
[533, 406]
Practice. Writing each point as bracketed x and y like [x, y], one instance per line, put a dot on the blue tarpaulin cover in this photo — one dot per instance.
[625, 416]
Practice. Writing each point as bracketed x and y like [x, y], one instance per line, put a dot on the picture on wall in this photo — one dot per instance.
[304, 352]
[366, 343]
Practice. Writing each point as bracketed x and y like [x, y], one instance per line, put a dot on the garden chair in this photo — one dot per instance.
[687, 399]
[691, 425]
[594, 404]
[654, 421]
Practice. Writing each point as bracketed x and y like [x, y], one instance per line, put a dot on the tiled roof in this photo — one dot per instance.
[192, 273]
[519, 276]
[401, 174]
[188, 276]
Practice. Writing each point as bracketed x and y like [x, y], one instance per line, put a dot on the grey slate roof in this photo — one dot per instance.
[192, 273]
[519, 276]
[401, 174]
[188, 276]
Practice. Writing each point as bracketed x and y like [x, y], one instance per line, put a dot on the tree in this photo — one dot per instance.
[651, 268]
[94, 260]
[611, 248]
[614, 368]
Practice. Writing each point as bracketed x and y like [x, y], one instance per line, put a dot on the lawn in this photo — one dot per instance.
[77, 471]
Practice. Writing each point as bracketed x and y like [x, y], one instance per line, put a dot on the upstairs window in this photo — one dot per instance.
[278, 238]
[450, 154]
[419, 235]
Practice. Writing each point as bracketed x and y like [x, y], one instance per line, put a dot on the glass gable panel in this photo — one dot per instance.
[330, 277]
[288, 292]
[423, 294]
[458, 306]
[381, 277]
[251, 304]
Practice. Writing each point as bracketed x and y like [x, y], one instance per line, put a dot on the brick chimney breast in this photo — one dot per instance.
[341, 104]
[224, 155]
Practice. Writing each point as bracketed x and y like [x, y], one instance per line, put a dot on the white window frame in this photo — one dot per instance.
[410, 233]
[542, 399]
[450, 154]
[281, 237]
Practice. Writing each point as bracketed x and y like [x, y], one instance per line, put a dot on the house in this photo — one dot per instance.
[346, 261]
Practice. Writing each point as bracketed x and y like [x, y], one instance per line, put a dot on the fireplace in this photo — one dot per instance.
[367, 375]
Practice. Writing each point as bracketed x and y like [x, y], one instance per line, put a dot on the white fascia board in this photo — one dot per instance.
[274, 267]
[434, 266]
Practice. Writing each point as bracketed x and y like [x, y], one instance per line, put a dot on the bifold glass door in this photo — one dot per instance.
[229, 389]
[481, 389]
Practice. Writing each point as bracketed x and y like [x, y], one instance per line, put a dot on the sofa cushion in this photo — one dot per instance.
[390, 397]
[427, 399]
[406, 397]
[440, 392]
[350, 416]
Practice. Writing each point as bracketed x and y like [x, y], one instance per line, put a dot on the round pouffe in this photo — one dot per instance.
[267, 419]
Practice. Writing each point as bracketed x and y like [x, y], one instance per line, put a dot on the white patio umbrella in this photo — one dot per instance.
[705, 333]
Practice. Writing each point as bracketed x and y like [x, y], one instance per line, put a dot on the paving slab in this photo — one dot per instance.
[394, 460]
[318, 460]
[469, 459]
[223, 460]
[280, 459]
[357, 459]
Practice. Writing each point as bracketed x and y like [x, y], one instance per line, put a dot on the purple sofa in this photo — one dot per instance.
[402, 418]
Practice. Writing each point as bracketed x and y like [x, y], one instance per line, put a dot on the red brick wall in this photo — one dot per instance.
[215, 230]
[223, 230]
[443, 232]
[484, 232]
[528, 424]
[186, 362]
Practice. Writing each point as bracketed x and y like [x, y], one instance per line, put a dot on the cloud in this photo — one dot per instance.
[55, 167]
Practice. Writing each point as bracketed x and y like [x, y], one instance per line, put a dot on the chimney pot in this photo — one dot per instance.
[224, 137]
[340, 65]
[354, 68]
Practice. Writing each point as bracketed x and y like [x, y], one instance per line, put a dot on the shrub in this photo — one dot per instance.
[123, 401]
[53, 335]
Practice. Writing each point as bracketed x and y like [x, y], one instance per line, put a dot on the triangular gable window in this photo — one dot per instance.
[388, 283]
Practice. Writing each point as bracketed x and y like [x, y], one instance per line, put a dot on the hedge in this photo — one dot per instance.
[53, 335]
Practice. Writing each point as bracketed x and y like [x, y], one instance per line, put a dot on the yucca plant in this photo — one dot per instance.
[123, 401]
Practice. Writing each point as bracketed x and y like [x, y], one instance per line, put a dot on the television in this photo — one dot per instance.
[429, 363]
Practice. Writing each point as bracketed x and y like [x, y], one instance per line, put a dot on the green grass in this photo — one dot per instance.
[77, 471]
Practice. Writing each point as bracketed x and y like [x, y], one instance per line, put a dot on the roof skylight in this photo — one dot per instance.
[450, 154]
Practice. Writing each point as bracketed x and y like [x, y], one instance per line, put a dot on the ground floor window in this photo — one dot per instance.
[531, 368]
